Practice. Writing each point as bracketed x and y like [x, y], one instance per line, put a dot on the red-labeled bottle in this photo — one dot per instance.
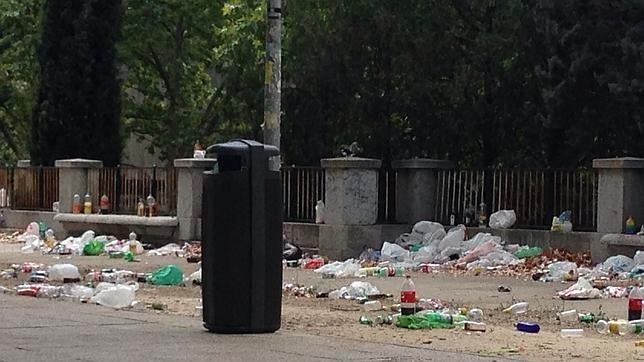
[635, 304]
[408, 297]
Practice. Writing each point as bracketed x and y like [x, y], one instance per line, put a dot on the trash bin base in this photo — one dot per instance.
[240, 330]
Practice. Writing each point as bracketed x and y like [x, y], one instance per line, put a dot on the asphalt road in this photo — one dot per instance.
[42, 330]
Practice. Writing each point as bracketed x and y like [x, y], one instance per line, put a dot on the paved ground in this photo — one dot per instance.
[35, 329]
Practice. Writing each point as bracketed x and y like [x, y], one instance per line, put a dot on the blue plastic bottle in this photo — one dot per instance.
[528, 327]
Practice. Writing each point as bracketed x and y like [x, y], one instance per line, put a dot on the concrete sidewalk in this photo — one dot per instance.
[42, 330]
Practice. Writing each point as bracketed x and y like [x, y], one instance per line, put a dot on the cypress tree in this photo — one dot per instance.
[77, 113]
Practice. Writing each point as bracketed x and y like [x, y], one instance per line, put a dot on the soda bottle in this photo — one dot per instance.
[76, 204]
[87, 205]
[635, 304]
[408, 297]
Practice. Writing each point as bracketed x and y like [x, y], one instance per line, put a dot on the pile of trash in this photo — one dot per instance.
[108, 287]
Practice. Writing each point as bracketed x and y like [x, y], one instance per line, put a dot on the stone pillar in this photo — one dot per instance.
[72, 179]
[189, 190]
[416, 181]
[351, 190]
[620, 192]
[351, 200]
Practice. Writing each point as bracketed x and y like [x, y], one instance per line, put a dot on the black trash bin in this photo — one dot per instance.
[241, 230]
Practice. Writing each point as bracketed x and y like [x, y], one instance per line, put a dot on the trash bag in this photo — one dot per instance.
[426, 227]
[527, 251]
[434, 237]
[479, 239]
[340, 269]
[194, 278]
[479, 251]
[393, 252]
[291, 252]
[618, 264]
[454, 237]
[639, 257]
[580, 290]
[561, 270]
[32, 243]
[60, 272]
[425, 254]
[93, 248]
[167, 275]
[117, 296]
[357, 289]
[503, 219]
[369, 255]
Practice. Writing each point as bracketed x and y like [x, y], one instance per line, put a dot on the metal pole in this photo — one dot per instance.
[273, 78]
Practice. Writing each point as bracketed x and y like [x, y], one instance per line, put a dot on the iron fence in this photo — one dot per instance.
[125, 186]
[31, 188]
[535, 195]
[302, 187]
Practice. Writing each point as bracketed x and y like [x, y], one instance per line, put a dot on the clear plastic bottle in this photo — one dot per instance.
[87, 205]
[372, 305]
[613, 327]
[569, 315]
[517, 308]
[475, 315]
[572, 332]
[635, 304]
[132, 243]
[76, 204]
[3, 197]
[408, 297]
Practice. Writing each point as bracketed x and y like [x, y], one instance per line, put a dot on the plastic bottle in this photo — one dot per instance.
[132, 244]
[572, 332]
[475, 315]
[140, 208]
[3, 197]
[613, 327]
[105, 204]
[87, 205]
[517, 308]
[569, 315]
[630, 228]
[152, 205]
[528, 327]
[76, 204]
[50, 239]
[372, 305]
[408, 297]
[635, 304]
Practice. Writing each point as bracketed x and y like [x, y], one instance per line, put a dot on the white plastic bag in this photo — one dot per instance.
[580, 290]
[427, 227]
[393, 252]
[319, 212]
[32, 243]
[618, 264]
[60, 272]
[118, 296]
[503, 219]
[479, 239]
[479, 251]
[194, 278]
[340, 269]
[434, 237]
[639, 257]
[454, 238]
[562, 270]
[424, 254]
[357, 289]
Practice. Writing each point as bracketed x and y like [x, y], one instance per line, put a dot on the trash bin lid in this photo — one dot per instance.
[242, 147]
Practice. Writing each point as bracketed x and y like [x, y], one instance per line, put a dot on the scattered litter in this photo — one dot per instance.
[580, 290]
[503, 289]
[167, 275]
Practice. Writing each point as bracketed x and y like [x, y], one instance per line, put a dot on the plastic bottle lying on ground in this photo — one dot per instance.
[569, 315]
[572, 332]
[528, 327]
[517, 308]
[613, 327]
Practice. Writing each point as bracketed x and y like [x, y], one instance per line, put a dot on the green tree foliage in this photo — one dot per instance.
[592, 76]
[78, 109]
[192, 70]
[19, 31]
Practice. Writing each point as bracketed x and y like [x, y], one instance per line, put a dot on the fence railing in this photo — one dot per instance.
[302, 187]
[125, 186]
[31, 188]
[535, 195]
